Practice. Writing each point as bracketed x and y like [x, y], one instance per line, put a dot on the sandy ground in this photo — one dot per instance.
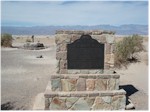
[23, 76]
[135, 79]
[46, 39]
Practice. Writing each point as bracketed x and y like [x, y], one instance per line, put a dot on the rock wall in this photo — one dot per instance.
[85, 82]
[110, 100]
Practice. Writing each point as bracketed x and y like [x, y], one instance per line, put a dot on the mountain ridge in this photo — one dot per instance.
[126, 29]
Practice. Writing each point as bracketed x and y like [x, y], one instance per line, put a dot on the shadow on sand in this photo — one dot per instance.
[10, 106]
[130, 89]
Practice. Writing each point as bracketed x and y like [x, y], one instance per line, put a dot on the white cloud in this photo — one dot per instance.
[75, 13]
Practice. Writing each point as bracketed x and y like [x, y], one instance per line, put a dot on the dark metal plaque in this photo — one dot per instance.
[85, 53]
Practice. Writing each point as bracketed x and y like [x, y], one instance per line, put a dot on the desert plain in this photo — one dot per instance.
[24, 76]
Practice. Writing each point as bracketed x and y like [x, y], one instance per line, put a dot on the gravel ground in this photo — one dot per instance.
[23, 76]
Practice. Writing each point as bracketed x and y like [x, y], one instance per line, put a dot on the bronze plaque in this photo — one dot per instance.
[85, 53]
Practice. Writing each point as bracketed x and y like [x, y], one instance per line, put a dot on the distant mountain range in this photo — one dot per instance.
[50, 30]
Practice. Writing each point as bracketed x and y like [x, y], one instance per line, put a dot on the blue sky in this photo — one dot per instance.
[41, 13]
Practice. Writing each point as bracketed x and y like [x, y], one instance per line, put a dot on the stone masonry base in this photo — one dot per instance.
[84, 92]
[85, 100]
[84, 82]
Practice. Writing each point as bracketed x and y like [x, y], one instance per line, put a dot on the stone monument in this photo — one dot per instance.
[85, 78]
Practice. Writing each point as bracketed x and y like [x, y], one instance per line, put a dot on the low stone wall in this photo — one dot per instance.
[63, 38]
[104, 100]
[84, 82]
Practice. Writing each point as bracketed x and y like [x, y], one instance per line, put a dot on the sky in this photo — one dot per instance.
[45, 13]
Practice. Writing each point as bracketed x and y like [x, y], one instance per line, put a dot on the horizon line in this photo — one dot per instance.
[68, 25]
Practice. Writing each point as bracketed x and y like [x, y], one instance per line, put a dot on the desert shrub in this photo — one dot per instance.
[28, 40]
[127, 49]
[6, 40]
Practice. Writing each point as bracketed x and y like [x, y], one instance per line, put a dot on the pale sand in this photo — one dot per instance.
[24, 76]
[136, 73]
[136, 77]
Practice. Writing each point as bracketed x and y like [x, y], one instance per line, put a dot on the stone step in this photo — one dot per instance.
[84, 82]
[48, 93]
[103, 76]
[85, 100]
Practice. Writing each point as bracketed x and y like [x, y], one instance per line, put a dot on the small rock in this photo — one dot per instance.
[40, 56]
[130, 106]
[114, 72]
